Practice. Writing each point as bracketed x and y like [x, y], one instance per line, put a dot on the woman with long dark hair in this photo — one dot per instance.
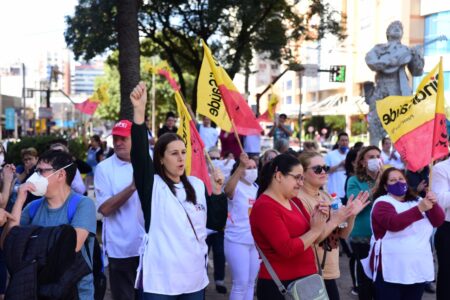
[282, 228]
[400, 260]
[176, 212]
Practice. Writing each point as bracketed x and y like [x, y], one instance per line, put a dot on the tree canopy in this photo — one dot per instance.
[234, 30]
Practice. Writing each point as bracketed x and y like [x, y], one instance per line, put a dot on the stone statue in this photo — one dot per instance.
[389, 61]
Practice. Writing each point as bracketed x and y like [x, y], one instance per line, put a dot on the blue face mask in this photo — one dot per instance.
[397, 189]
[343, 148]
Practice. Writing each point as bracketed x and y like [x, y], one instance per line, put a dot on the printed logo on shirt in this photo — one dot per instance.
[251, 202]
[199, 207]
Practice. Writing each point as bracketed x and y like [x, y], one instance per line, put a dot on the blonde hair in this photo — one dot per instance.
[306, 156]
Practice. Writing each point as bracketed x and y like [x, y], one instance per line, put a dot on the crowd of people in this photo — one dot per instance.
[297, 209]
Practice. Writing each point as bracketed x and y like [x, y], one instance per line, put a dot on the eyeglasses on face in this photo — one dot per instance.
[41, 171]
[318, 169]
[215, 158]
[298, 177]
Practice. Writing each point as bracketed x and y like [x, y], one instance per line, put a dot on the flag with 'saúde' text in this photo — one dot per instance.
[195, 163]
[219, 100]
[417, 124]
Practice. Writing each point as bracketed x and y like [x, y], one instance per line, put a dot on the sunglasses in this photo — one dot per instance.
[215, 158]
[318, 169]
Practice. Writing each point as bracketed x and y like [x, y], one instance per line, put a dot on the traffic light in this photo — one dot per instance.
[337, 74]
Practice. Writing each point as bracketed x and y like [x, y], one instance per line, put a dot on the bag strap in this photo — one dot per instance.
[315, 250]
[271, 271]
[73, 204]
[33, 208]
[189, 219]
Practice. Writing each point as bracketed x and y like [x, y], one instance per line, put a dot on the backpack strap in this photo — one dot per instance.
[33, 208]
[73, 204]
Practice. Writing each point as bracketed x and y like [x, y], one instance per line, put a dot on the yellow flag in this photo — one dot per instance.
[209, 98]
[101, 95]
[402, 114]
[417, 123]
[273, 101]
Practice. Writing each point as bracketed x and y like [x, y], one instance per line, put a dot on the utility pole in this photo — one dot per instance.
[300, 117]
[49, 91]
[24, 117]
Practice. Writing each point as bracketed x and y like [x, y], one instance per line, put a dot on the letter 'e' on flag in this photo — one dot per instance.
[417, 124]
[223, 93]
[195, 157]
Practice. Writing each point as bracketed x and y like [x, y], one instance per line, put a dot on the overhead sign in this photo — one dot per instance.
[10, 115]
[45, 113]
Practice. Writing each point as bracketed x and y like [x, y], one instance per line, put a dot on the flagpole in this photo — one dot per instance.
[236, 134]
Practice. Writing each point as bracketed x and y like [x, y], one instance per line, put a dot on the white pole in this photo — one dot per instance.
[153, 99]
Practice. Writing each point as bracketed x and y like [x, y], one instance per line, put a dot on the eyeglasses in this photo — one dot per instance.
[40, 171]
[318, 169]
[298, 177]
[215, 158]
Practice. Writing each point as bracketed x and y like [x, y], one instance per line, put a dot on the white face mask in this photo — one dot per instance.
[251, 175]
[41, 183]
[2, 159]
[373, 165]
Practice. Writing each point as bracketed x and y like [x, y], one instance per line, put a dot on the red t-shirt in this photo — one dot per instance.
[277, 232]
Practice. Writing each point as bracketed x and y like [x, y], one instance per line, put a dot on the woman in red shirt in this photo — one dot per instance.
[282, 227]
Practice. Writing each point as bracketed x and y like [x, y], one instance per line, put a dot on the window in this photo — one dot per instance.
[289, 85]
[435, 26]
[288, 100]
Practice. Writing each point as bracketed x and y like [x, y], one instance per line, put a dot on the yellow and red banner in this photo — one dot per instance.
[219, 100]
[417, 124]
[195, 157]
[101, 95]
[269, 114]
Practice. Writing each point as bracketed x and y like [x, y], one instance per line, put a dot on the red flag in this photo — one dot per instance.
[199, 167]
[265, 117]
[87, 107]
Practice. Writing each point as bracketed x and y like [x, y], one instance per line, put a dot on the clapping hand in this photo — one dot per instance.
[318, 219]
[358, 203]
[428, 202]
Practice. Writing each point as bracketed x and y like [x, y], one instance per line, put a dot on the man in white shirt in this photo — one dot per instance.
[336, 161]
[440, 185]
[390, 157]
[209, 134]
[123, 223]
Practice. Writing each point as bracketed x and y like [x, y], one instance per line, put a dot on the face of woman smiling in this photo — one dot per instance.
[290, 183]
[313, 179]
[174, 159]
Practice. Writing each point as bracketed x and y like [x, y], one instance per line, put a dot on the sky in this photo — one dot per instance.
[29, 28]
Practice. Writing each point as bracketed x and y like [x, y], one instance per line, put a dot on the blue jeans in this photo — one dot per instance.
[200, 295]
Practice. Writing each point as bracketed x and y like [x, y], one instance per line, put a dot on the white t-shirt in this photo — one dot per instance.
[209, 136]
[336, 180]
[123, 231]
[252, 143]
[395, 162]
[237, 229]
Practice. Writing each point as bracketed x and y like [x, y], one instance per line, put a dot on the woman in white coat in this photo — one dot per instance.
[176, 212]
[400, 260]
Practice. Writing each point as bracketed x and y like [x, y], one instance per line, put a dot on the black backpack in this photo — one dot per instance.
[98, 269]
